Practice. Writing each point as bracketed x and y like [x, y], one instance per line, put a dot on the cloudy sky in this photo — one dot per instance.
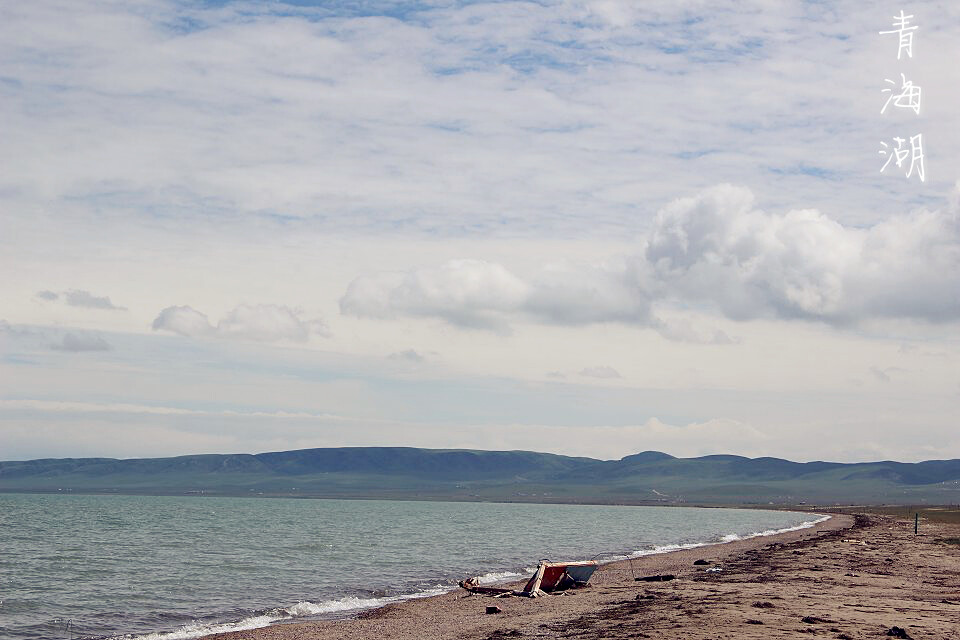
[586, 227]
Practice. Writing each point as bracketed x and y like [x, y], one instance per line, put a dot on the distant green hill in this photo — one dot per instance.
[408, 473]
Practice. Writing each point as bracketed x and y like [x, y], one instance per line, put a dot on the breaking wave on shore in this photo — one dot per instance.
[301, 609]
[730, 537]
[308, 610]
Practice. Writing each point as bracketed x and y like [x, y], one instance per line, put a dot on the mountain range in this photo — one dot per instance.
[650, 477]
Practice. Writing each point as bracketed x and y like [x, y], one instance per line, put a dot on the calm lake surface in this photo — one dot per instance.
[165, 568]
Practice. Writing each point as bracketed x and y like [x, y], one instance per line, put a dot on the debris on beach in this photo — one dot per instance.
[494, 609]
[701, 562]
[473, 586]
[548, 578]
[714, 570]
[657, 578]
[898, 632]
[560, 576]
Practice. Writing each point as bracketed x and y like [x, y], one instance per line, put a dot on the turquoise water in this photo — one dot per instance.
[165, 568]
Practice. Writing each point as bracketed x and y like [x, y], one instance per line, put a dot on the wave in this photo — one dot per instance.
[500, 576]
[730, 537]
[302, 609]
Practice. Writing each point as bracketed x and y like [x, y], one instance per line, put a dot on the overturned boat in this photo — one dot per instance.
[548, 578]
[560, 576]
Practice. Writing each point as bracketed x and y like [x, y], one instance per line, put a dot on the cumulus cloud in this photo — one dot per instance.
[47, 295]
[183, 320]
[468, 293]
[715, 250]
[614, 291]
[261, 322]
[480, 294]
[76, 342]
[718, 248]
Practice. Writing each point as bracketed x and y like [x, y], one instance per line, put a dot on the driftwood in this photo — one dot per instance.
[473, 586]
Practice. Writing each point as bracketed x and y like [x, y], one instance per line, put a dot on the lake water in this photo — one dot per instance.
[168, 568]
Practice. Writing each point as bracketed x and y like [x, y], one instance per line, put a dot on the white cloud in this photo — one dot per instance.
[233, 151]
[581, 294]
[76, 342]
[714, 249]
[261, 323]
[468, 293]
[183, 320]
[563, 115]
[479, 294]
[81, 298]
[718, 248]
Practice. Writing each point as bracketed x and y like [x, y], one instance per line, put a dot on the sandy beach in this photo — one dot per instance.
[853, 576]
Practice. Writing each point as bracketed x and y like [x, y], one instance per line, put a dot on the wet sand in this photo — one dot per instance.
[850, 577]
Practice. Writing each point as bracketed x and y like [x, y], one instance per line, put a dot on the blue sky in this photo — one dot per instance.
[591, 227]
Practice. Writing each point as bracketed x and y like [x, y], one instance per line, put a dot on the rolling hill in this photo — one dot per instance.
[409, 473]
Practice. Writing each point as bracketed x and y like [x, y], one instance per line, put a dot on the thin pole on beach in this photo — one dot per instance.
[916, 523]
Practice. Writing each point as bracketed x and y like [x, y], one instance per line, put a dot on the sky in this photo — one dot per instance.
[589, 227]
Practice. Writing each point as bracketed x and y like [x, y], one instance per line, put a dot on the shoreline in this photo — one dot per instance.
[380, 621]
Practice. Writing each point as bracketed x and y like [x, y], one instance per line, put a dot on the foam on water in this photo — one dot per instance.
[301, 609]
[199, 629]
[732, 537]
[500, 576]
[724, 539]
